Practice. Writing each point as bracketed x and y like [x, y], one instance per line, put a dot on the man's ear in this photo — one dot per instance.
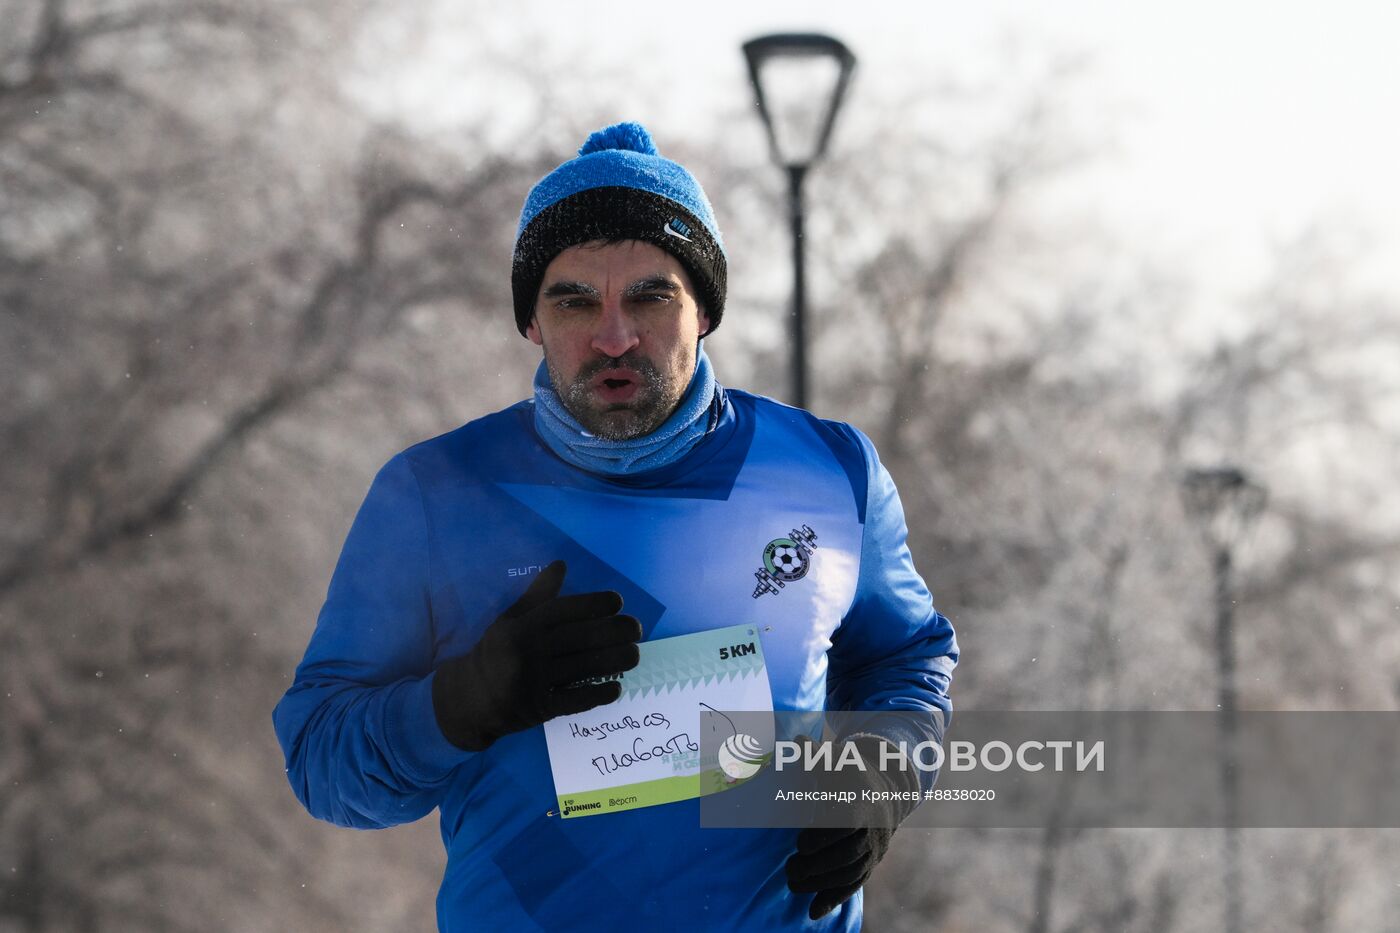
[532, 331]
[704, 320]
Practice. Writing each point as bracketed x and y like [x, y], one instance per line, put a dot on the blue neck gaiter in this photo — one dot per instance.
[677, 435]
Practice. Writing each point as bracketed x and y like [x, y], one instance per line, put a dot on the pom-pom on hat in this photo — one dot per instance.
[619, 188]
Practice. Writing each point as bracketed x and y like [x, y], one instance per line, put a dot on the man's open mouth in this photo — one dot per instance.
[615, 377]
[616, 386]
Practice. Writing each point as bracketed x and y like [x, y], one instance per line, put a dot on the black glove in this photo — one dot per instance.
[835, 862]
[527, 666]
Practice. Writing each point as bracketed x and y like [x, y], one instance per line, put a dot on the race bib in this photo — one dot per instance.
[644, 748]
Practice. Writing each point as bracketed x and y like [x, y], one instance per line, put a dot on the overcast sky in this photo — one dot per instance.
[1237, 122]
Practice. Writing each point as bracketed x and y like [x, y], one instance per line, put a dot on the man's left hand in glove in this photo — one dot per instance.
[835, 862]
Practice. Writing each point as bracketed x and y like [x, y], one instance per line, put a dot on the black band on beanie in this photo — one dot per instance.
[617, 213]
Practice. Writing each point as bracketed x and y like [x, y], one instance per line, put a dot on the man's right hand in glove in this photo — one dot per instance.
[527, 667]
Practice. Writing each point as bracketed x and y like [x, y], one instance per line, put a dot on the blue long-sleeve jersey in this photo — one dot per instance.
[447, 538]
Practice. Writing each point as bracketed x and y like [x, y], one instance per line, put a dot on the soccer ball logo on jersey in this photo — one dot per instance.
[785, 560]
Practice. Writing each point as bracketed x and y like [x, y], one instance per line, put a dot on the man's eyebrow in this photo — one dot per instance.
[560, 289]
[655, 283]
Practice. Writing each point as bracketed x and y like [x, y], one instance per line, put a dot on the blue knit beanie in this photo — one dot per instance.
[619, 188]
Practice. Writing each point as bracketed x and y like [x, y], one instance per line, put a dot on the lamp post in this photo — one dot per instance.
[799, 81]
[1224, 503]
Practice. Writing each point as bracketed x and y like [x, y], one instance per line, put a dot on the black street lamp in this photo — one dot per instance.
[799, 80]
[1224, 503]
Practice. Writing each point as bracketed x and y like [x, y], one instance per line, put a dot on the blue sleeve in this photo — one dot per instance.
[893, 650]
[357, 729]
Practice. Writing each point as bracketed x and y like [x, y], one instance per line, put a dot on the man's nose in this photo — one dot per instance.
[616, 332]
